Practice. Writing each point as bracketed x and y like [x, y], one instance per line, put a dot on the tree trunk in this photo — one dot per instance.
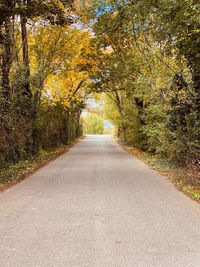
[27, 91]
[6, 65]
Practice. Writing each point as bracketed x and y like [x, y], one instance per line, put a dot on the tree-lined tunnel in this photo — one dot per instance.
[128, 68]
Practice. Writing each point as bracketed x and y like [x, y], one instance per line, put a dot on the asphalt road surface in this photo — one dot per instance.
[97, 206]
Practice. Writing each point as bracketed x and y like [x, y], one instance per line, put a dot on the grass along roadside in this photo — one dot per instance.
[186, 179]
[17, 172]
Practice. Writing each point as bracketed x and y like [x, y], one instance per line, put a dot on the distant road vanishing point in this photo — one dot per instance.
[98, 206]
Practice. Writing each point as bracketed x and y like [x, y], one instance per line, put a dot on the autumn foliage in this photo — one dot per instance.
[142, 55]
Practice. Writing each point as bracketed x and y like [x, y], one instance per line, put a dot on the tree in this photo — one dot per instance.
[52, 11]
[93, 124]
[22, 82]
[149, 68]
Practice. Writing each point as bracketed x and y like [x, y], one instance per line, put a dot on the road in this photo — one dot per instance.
[94, 206]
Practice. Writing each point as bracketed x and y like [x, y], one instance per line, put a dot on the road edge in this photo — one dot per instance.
[33, 168]
[170, 176]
